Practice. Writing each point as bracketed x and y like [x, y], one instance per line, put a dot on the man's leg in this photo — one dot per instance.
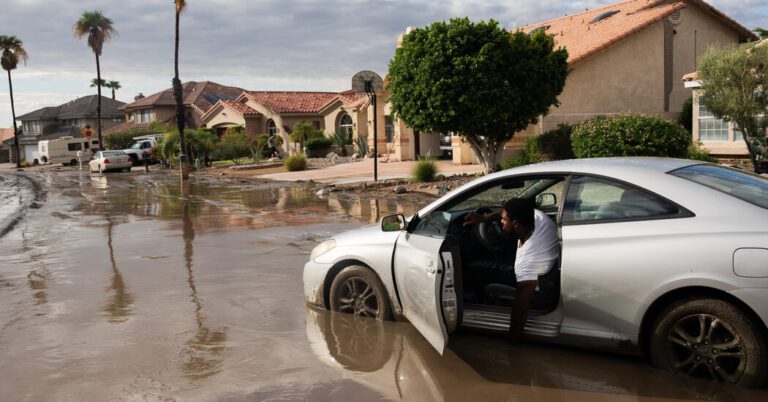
[519, 313]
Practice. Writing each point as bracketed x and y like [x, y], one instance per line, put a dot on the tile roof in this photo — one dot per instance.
[583, 36]
[240, 107]
[75, 109]
[6, 133]
[199, 95]
[293, 102]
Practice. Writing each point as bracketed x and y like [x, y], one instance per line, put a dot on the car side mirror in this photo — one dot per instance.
[546, 200]
[393, 223]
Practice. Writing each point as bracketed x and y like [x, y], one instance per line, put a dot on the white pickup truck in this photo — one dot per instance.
[140, 151]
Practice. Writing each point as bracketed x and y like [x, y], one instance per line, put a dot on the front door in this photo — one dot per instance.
[426, 268]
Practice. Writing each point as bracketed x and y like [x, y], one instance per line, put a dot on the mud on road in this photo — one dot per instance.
[131, 286]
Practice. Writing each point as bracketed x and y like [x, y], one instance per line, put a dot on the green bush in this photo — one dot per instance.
[318, 146]
[305, 130]
[235, 145]
[361, 146]
[341, 139]
[550, 146]
[686, 117]
[630, 135]
[296, 162]
[425, 170]
[696, 152]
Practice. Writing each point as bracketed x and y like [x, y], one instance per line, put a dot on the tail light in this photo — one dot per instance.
[106, 161]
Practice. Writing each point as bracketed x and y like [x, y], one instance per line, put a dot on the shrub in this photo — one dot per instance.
[304, 131]
[686, 117]
[341, 138]
[295, 162]
[361, 146]
[630, 135]
[696, 152]
[425, 170]
[235, 145]
[318, 146]
[550, 146]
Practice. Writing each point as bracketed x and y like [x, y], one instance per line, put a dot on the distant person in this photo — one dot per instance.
[537, 251]
[272, 145]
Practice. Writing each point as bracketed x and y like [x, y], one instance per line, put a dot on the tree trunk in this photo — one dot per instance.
[177, 93]
[113, 93]
[98, 103]
[16, 150]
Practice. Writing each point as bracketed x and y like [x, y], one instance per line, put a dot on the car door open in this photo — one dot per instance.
[427, 270]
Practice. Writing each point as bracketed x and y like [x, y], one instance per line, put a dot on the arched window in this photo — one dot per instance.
[346, 126]
[271, 127]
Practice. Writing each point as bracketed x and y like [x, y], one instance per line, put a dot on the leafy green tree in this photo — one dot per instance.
[177, 94]
[12, 52]
[762, 33]
[235, 145]
[99, 30]
[477, 80]
[735, 85]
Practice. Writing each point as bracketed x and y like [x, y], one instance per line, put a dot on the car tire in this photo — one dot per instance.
[710, 338]
[358, 291]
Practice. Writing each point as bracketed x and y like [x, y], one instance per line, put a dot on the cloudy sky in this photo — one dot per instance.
[252, 44]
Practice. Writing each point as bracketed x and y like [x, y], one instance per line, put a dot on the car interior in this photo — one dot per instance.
[487, 254]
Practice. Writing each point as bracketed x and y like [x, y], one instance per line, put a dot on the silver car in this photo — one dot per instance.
[103, 161]
[662, 257]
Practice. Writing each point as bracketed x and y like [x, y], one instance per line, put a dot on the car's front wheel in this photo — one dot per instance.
[357, 290]
[710, 338]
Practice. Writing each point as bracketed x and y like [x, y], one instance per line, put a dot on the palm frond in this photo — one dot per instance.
[97, 27]
[12, 52]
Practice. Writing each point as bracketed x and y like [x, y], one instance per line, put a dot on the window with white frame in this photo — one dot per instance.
[710, 127]
[31, 126]
[69, 122]
[271, 127]
[346, 126]
[144, 116]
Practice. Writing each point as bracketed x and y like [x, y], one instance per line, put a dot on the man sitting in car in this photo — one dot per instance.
[537, 252]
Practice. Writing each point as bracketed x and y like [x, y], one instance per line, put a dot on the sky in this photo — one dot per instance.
[252, 44]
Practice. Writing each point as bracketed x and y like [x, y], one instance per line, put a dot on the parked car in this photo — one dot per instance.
[103, 161]
[663, 257]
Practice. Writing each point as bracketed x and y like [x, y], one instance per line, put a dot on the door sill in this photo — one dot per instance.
[496, 318]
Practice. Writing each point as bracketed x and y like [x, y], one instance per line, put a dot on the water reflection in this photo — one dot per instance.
[203, 351]
[119, 304]
[395, 360]
[230, 205]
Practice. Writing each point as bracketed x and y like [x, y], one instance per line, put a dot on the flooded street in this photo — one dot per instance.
[132, 287]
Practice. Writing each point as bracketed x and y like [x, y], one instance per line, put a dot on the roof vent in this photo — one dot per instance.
[603, 16]
[675, 17]
[537, 29]
[139, 96]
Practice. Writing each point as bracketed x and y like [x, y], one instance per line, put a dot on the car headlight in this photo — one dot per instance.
[322, 248]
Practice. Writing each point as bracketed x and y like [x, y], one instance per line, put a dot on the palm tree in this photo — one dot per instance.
[114, 86]
[177, 93]
[13, 52]
[97, 81]
[99, 29]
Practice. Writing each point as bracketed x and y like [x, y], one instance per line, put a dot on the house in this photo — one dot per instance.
[54, 122]
[623, 58]
[197, 98]
[266, 112]
[722, 139]
[5, 150]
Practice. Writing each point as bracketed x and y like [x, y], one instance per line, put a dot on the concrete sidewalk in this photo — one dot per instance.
[361, 171]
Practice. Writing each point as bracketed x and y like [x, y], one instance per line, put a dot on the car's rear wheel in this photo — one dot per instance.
[357, 290]
[710, 338]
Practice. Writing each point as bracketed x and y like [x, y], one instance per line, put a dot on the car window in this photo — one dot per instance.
[742, 185]
[433, 224]
[593, 199]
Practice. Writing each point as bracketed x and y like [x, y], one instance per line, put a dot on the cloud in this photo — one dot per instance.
[257, 45]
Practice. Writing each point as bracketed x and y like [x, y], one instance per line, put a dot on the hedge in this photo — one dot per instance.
[630, 135]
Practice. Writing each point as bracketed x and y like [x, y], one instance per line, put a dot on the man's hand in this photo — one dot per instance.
[473, 218]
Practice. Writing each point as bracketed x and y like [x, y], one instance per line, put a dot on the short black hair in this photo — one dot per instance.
[520, 209]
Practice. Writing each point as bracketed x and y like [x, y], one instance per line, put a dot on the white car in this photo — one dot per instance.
[103, 161]
[663, 257]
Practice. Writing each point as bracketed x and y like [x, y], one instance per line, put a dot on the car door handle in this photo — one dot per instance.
[431, 267]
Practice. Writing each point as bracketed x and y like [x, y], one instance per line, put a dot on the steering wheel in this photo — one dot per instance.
[490, 235]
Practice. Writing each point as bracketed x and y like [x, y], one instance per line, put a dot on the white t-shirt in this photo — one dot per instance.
[537, 255]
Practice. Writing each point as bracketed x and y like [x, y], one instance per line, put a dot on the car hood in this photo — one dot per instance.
[369, 235]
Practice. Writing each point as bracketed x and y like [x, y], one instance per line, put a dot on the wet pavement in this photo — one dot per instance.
[133, 287]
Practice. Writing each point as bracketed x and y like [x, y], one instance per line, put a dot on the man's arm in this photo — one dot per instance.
[473, 218]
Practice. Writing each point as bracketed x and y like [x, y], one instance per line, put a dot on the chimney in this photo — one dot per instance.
[138, 97]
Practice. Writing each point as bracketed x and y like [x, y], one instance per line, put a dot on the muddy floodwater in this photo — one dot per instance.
[132, 287]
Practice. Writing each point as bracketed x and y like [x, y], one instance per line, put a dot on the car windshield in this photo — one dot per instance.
[742, 185]
[136, 145]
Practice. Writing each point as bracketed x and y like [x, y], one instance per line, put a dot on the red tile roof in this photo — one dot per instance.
[293, 102]
[240, 107]
[584, 38]
[6, 133]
